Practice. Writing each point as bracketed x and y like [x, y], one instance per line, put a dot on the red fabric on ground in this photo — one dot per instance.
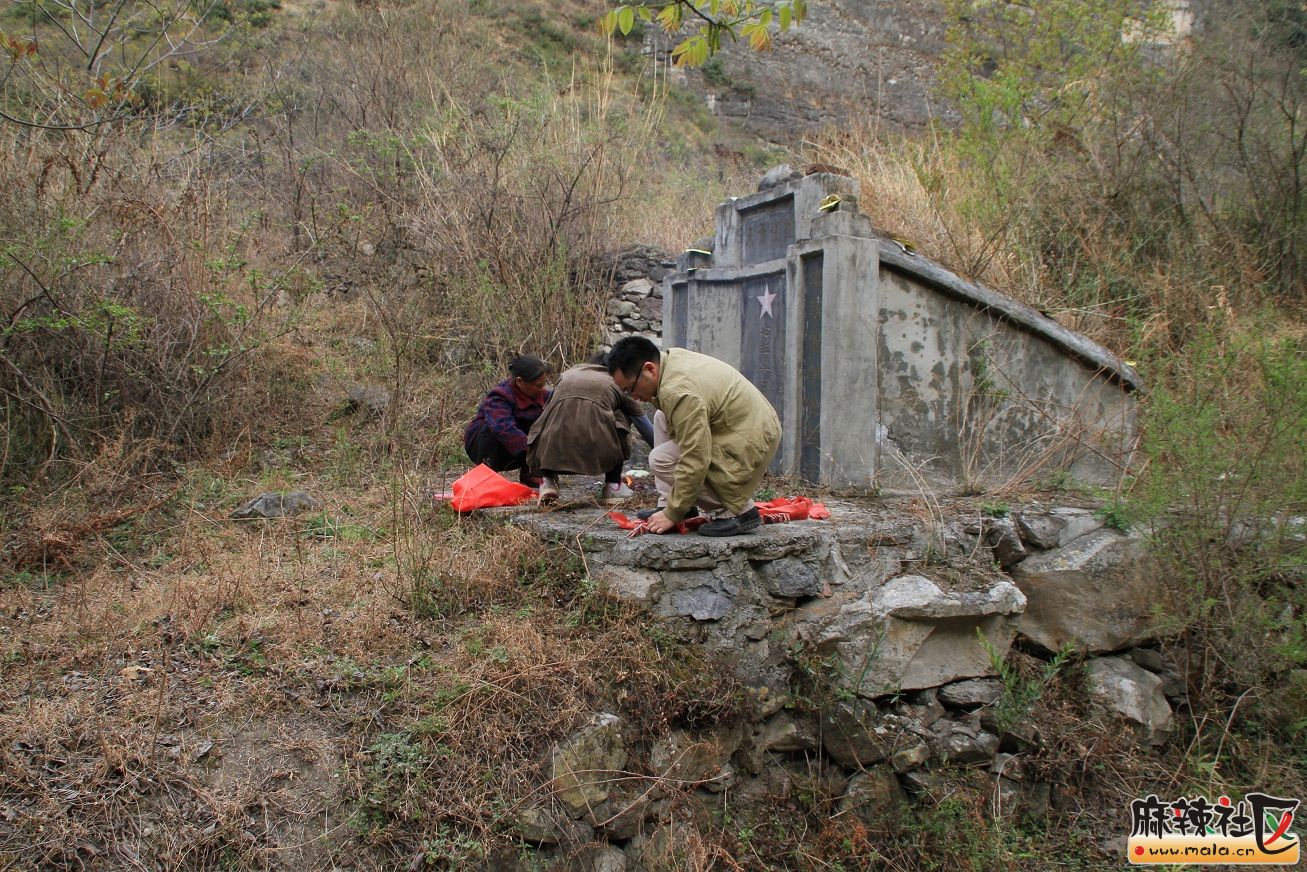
[792, 509]
[483, 488]
[639, 528]
[777, 511]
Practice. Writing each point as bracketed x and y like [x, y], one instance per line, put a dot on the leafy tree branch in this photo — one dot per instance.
[708, 21]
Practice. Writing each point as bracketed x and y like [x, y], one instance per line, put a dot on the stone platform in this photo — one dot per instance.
[890, 595]
[900, 606]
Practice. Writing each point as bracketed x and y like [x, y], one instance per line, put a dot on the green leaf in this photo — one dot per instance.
[785, 18]
[625, 19]
[608, 23]
[692, 52]
[645, 12]
[670, 17]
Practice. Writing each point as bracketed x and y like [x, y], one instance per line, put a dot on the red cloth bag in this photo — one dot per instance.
[792, 509]
[483, 488]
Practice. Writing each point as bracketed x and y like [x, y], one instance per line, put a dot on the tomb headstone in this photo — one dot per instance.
[888, 371]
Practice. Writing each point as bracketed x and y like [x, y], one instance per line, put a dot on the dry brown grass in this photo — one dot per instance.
[190, 690]
[1062, 245]
[909, 188]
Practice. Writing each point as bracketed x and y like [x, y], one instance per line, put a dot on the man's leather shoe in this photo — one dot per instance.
[646, 514]
[741, 523]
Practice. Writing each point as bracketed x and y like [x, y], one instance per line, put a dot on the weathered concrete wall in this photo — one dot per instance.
[888, 371]
[971, 394]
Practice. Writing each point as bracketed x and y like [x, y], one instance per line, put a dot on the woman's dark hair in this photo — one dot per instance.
[528, 367]
[599, 358]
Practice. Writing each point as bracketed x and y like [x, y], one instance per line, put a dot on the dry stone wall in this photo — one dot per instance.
[899, 615]
[636, 305]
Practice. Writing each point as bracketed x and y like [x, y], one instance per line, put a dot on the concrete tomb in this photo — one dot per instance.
[887, 371]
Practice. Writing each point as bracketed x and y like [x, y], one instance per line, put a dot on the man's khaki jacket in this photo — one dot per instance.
[726, 429]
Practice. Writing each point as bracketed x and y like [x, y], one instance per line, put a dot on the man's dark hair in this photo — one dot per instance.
[630, 354]
[528, 367]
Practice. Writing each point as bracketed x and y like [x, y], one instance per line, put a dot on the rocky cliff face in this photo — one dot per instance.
[873, 59]
[870, 60]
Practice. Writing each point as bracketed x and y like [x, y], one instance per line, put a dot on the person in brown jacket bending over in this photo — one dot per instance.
[585, 430]
[714, 435]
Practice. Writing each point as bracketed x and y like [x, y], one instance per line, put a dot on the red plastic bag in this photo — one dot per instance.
[792, 509]
[482, 488]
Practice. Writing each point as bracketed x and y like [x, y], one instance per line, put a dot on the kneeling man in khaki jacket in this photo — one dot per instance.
[714, 435]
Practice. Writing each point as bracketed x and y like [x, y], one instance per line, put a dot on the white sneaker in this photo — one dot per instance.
[614, 492]
[548, 490]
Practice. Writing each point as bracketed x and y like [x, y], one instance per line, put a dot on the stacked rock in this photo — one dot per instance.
[636, 308]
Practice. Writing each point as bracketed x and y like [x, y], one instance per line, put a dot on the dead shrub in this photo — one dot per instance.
[121, 320]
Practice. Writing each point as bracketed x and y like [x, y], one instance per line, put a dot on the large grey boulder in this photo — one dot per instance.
[621, 308]
[788, 732]
[874, 796]
[1055, 527]
[971, 693]
[791, 577]
[1119, 688]
[778, 175]
[598, 858]
[637, 289]
[698, 594]
[856, 733]
[586, 765]
[1097, 593]
[912, 754]
[962, 743]
[1000, 534]
[662, 848]
[630, 809]
[640, 586]
[689, 760]
[922, 706]
[373, 399]
[910, 634]
[545, 826]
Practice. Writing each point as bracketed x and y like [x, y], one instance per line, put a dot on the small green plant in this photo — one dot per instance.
[396, 762]
[26, 578]
[714, 72]
[324, 527]
[451, 848]
[1061, 480]
[1116, 514]
[995, 509]
[1020, 692]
